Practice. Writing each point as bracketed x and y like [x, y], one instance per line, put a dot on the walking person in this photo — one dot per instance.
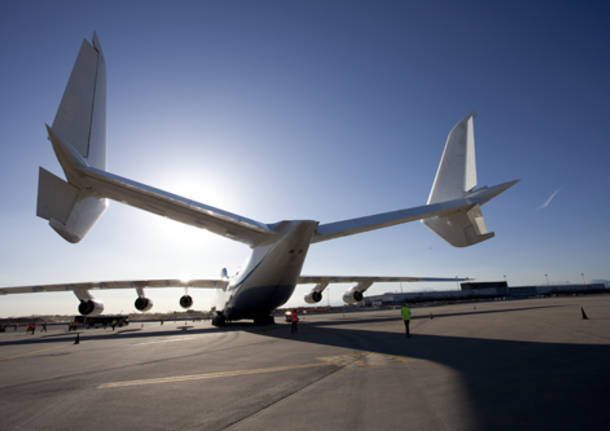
[406, 318]
[294, 318]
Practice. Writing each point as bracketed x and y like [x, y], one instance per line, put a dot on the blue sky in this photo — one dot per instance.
[313, 110]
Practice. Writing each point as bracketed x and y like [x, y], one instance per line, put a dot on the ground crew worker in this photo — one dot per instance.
[114, 322]
[406, 318]
[294, 318]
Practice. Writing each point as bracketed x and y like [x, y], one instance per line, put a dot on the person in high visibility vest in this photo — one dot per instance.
[294, 318]
[406, 318]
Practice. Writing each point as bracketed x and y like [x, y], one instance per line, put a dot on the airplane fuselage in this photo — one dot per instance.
[271, 274]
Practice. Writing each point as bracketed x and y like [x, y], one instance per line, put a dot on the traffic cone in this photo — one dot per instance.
[584, 315]
[77, 339]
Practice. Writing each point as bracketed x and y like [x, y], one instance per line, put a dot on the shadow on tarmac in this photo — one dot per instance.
[350, 320]
[509, 384]
[233, 326]
[132, 333]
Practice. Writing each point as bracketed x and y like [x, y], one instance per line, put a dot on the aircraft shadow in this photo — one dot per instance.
[131, 333]
[529, 385]
[422, 315]
[134, 332]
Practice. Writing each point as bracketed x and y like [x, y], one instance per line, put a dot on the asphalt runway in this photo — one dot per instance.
[532, 364]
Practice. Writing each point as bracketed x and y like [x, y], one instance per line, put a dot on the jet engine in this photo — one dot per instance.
[352, 296]
[90, 307]
[313, 297]
[186, 301]
[143, 303]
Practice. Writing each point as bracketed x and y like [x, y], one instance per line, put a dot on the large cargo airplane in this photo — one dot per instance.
[78, 137]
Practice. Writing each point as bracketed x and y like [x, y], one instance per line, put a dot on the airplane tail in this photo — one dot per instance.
[78, 136]
[456, 178]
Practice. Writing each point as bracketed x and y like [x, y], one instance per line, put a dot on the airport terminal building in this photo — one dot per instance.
[485, 291]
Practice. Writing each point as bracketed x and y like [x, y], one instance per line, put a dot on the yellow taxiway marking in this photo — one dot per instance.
[173, 340]
[33, 352]
[350, 361]
[207, 376]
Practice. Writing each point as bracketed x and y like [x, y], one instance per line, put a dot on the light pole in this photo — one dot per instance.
[547, 279]
[582, 274]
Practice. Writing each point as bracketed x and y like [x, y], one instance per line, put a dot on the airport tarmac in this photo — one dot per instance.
[531, 364]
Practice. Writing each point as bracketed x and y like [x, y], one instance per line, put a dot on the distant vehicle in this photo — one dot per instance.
[72, 206]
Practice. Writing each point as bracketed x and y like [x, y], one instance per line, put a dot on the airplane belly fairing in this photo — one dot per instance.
[258, 301]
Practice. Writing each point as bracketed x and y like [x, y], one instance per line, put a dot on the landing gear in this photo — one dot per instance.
[219, 320]
[264, 320]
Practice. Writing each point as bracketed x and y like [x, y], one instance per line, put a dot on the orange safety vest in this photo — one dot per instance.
[295, 317]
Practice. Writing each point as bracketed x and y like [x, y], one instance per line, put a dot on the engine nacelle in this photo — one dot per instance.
[186, 301]
[143, 304]
[90, 307]
[313, 297]
[352, 296]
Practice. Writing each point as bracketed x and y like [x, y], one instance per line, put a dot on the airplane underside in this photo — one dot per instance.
[257, 302]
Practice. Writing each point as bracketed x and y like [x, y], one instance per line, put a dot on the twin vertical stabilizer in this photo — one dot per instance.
[78, 136]
[81, 117]
[456, 179]
[457, 171]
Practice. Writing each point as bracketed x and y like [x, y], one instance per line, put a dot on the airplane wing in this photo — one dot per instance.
[122, 284]
[355, 294]
[309, 279]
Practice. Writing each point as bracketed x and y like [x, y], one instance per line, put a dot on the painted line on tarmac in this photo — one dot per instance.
[173, 340]
[33, 352]
[349, 361]
[208, 376]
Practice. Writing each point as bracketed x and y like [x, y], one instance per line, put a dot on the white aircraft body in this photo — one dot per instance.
[78, 137]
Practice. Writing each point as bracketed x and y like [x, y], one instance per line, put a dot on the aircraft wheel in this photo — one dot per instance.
[219, 320]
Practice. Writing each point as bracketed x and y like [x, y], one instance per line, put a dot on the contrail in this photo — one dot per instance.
[548, 201]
